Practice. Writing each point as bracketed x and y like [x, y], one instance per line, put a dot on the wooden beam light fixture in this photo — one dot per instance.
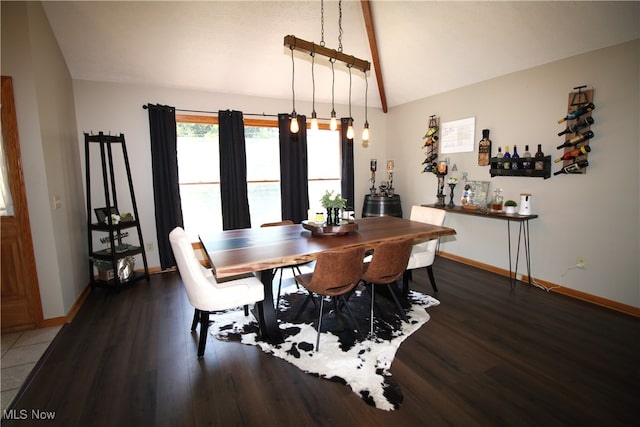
[293, 42]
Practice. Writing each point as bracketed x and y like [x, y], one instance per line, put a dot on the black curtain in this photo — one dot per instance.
[294, 190]
[346, 146]
[164, 167]
[233, 171]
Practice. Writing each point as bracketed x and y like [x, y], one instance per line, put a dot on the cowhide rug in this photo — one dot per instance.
[344, 356]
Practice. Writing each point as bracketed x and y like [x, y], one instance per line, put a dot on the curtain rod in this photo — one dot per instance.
[146, 106]
[216, 112]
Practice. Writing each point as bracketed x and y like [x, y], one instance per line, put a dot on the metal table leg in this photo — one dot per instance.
[267, 318]
[523, 234]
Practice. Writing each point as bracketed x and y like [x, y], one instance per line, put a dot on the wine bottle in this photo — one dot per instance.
[526, 164]
[431, 157]
[431, 131]
[430, 167]
[578, 112]
[431, 140]
[484, 149]
[581, 137]
[539, 159]
[506, 157]
[499, 156]
[574, 153]
[515, 156]
[573, 167]
[574, 128]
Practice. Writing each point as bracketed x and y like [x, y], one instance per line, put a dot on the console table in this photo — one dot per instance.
[523, 233]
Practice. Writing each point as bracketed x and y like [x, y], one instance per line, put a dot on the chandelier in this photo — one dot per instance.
[333, 55]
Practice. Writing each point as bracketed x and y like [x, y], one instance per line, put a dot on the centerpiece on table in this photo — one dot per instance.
[333, 203]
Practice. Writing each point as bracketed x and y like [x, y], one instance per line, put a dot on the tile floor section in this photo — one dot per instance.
[20, 353]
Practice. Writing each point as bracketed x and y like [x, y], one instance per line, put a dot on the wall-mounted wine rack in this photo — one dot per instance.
[577, 133]
[431, 139]
[498, 170]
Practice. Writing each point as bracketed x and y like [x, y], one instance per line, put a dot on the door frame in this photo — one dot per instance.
[11, 142]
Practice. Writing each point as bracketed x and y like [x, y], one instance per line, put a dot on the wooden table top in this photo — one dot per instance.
[247, 250]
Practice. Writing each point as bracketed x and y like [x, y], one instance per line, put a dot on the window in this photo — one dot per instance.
[199, 173]
[6, 202]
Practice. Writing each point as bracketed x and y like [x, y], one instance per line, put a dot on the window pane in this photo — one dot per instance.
[199, 177]
[323, 151]
[6, 202]
[263, 154]
[264, 203]
[198, 153]
[201, 209]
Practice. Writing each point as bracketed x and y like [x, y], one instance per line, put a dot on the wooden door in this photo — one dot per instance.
[21, 306]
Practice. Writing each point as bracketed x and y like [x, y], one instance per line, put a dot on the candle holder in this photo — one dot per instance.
[440, 195]
[451, 204]
[441, 172]
[373, 166]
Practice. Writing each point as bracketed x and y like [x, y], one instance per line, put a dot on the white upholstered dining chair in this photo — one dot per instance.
[205, 293]
[423, 254]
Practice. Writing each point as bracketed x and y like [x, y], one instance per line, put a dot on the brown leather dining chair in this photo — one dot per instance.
[336, 273]
[387, 265]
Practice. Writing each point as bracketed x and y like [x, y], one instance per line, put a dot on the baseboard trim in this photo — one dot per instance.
[552, 287]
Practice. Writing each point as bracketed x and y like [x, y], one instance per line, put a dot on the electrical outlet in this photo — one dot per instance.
[581, 262]
[149, 247]
[57, 202]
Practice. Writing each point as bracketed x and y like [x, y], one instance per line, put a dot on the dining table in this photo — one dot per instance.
[261, 250]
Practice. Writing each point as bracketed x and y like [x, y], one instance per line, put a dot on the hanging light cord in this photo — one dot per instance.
[333, 83]
[340, 26]
[322, 23]
[366, 92]
[293, 79]
[349, 67]
[313, 79]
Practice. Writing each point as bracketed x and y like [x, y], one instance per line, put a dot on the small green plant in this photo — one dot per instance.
[330, 200]
[510, 203]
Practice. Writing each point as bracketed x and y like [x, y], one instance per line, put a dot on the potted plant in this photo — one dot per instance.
[333, 203]
[510, 206]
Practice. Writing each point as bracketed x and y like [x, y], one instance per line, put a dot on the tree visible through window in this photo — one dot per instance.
[199, 170]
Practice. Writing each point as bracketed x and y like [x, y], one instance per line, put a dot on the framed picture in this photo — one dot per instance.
[474, 194]
[101, 213]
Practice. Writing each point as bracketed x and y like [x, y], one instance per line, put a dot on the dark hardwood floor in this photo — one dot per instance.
[489, 356]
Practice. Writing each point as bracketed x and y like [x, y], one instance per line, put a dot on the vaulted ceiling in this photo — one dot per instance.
[236, 47]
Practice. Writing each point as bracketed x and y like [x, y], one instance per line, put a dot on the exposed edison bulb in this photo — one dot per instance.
[333, 124]
[350, 132]
[314, 121]
[295, 126]
[365, 132]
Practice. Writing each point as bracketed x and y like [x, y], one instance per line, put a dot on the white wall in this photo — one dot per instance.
[594, 215]
[117, 108]
[46, 126]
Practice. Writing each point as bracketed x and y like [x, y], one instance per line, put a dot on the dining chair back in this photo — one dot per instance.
[205, 293]
[336, 273]
[423, 254]
[388, 263]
